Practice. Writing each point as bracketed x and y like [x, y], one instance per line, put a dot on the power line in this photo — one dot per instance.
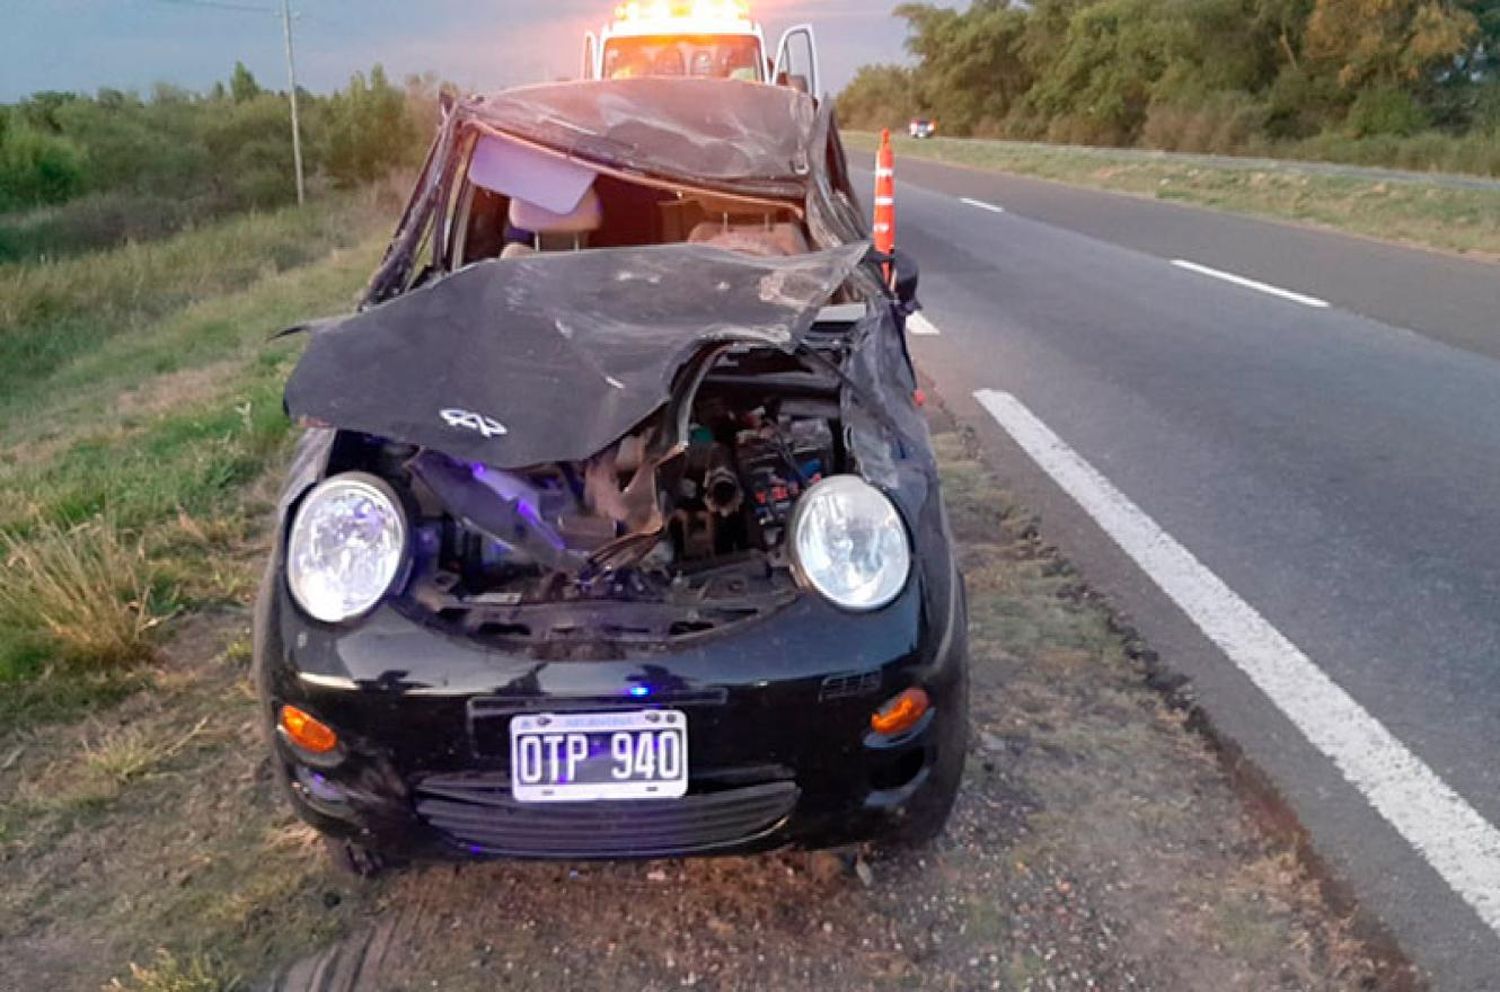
[246, 8]
[223, 5]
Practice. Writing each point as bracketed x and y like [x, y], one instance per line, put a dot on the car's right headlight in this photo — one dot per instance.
[347, 547]
[848, 543]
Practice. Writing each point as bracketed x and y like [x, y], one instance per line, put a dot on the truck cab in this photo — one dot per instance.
[705, 38]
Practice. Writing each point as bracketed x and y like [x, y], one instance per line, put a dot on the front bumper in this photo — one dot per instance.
[781, 749]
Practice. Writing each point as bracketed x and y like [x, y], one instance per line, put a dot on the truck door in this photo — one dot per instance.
[797, 61]
[590, 55]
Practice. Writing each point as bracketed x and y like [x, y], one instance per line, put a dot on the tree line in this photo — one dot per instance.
[116, 164]
[1413, 81]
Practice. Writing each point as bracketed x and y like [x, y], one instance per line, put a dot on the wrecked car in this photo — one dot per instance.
[615, 530]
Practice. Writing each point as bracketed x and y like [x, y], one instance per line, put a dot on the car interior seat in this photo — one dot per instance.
[554, 232]
[733, 225]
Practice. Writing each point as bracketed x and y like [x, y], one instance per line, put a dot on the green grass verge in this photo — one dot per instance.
[140, 395]
[53, 313]
[1428, 216]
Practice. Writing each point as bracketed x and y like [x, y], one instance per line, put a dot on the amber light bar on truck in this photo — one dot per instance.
[677, 16]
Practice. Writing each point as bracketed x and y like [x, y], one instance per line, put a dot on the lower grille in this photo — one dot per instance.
[477, 811]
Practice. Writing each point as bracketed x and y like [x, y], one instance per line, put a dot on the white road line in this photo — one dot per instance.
[982, 205]
[920, 325]
[1285, 294]
[1450, 834]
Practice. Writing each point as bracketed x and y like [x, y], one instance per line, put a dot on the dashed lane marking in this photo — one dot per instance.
[921, 326]
[992, 208]
[1285, 294]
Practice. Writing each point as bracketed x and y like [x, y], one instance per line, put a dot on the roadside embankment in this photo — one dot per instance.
[1462, 215]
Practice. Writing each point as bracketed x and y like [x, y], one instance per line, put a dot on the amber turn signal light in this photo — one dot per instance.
[307, 732]
[900, 714]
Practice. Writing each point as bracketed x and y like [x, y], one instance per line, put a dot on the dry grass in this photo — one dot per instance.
[87, 589]
[154, 416]
[172, 974]
[132, 753]
[102, 767]
[184, 388]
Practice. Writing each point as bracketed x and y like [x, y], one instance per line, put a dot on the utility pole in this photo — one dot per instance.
[291, 71]
[291, 68]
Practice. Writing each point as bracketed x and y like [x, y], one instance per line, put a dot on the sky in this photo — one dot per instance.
[480, 44]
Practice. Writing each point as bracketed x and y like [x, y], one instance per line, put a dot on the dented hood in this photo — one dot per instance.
[551, 358]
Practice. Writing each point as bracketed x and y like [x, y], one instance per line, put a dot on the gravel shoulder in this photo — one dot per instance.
[1098, 844]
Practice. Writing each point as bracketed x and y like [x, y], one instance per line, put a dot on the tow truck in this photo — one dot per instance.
[714, 38]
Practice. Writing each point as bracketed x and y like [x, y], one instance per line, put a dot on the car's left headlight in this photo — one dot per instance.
[347, 547]
[848, 543]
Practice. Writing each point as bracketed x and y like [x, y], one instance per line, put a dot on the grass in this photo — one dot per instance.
[154, 824]
[132, 753]
[91, 593]
[54, 312]
[1425, 215]
[172, 974]
[139, 403]
[140, 429]
[95, 774]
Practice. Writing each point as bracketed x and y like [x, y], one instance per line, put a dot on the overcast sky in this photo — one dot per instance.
[131, 44]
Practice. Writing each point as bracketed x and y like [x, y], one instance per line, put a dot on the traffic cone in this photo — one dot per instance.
[885, 198]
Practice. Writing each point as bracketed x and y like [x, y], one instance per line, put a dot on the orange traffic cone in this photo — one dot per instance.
[885, 198]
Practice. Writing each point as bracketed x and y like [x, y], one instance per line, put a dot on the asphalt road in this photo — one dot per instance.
[1337, 467]
[1447, 180]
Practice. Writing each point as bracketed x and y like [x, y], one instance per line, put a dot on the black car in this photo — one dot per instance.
[616, 530]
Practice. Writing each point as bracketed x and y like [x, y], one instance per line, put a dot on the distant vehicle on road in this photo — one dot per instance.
[617, 532]
[922, 127]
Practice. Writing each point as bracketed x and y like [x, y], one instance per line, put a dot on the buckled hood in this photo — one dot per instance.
[552, 358]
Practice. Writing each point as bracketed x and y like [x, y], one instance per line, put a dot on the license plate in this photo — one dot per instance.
[581, 757]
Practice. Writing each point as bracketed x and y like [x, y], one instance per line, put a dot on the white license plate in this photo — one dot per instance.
[581, 757]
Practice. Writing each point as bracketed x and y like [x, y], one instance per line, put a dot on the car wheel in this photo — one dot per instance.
[356, 860]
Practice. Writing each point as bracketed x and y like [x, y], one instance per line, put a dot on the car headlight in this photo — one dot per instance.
[849, 544]
[347, 547]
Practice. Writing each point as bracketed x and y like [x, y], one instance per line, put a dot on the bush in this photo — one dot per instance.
[1487, 109]
[96, 221]
[1084, 129]
[369, 129]
[1223, 124]
[1385, 110]
[880, 96]
[1478, 153]
[194, 157]
[1430, 151]
[37, 168]
[1301, 105]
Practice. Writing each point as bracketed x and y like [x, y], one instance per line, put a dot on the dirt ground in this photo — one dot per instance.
[1097, 844]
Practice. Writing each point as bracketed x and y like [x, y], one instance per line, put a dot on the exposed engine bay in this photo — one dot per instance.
[696, 524]
[609, 447]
